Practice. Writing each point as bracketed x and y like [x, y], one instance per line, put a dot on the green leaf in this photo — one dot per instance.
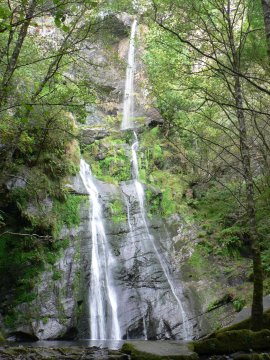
[57, 22]
[24, 120]
[28, 107]
[65, 28]
[4, 12]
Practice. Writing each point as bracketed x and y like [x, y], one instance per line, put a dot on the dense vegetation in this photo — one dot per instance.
[214, 98]
[42, 99]
[207, 64]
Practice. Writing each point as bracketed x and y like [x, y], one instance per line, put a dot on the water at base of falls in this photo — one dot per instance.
[104, 322]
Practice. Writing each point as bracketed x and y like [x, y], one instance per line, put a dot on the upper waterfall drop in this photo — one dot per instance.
[128, 103]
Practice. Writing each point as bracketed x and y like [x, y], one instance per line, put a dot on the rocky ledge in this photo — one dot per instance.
[68, 353]
[160, 350]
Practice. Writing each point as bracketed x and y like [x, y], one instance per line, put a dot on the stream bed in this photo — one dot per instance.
[89, 349]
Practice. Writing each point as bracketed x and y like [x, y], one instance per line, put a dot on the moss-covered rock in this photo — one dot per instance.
[232, 341]
[137, 354]
[117, 211]
[245, 324]
[109, 159]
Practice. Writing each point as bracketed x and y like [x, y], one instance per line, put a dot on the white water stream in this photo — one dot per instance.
[104, 322]
[127, 123]
[141, 195]
[128, 104]
[103, 304]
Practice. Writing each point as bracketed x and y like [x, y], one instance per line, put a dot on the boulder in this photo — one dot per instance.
[89, 135]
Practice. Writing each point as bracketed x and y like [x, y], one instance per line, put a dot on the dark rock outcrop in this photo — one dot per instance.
[57, 353]
[89, 135]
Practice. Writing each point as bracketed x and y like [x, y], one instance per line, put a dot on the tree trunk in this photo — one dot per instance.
[266, 15]
[257, 303]
[11, 66]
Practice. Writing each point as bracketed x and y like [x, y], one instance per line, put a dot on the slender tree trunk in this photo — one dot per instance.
[11, 66]
[257, 304]
[266, 15]
[257, 301]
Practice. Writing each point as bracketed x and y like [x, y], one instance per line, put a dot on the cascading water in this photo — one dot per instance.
[127, 123]
[150, 304]
[140, 193]
[104, 322]
[128, 105]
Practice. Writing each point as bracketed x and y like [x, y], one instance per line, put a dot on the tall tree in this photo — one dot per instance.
[266, 15]
[13, 59]
[36, 83]
[213, 38]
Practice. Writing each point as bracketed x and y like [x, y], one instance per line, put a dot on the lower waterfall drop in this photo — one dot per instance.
[104, 322]
[187, 331]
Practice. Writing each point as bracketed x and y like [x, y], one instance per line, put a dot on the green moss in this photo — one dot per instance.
[153, 199]
[57, 275]
[115, 167]
[66, 213]
[239, 303]
[26, 297]
[198, 259]
[245, 324]
[140, 355]
[21, 197]
[152, 172]
[28, 211]
[92, 149]
[235, 340]
[117, 211]
[225, 299]
[222, 220]
[171, 191]
[10, 319]
[168, 205]
[108, 159]
[23, 258]
[45, 320]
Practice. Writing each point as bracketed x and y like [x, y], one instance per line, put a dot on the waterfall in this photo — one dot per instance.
[140, 193]
[128, 104]
[139, 263]
[102, 295]
[128, 123]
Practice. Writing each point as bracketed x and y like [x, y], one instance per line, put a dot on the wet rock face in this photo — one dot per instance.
[109, 77]
[151, 309]
[52, 314]
[147, 307]
[89, 135]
